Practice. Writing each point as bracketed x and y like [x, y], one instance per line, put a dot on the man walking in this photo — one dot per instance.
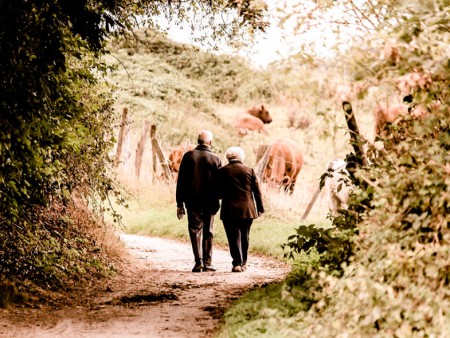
[196, 190]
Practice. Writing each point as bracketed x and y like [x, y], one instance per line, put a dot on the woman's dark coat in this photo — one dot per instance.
[239, 191]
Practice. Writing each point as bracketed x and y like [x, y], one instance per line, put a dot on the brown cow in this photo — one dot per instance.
[176, 155]
[252, 120]
[284, 163]
[260, 112]
[388, 115]
[244, 123]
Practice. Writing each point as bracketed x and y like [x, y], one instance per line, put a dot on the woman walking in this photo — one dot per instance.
[241, 204]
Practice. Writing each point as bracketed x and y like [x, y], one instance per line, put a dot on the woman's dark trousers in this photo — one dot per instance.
[238, 232]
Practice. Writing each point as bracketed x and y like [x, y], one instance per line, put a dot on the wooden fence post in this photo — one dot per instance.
[154, 158]
[140, 149]
[262, 156]
[311, 204]
[157, 153]
[355, 136]
[126, 144]
[165, 166]
[121, 136]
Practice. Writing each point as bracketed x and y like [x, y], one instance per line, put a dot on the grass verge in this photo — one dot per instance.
[153, 213]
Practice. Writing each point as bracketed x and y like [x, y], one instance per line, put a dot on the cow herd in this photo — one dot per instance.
[284, 157]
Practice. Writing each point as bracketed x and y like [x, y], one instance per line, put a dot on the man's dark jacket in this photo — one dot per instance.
[197, 180]
[239, 191]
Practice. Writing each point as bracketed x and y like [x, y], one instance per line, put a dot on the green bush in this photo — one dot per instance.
[55, 134]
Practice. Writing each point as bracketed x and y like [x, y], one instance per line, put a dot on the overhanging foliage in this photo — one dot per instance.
[57, 117]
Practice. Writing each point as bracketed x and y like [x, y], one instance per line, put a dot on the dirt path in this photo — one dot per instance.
[157, 295]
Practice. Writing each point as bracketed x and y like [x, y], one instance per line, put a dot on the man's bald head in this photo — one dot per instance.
[205, 137]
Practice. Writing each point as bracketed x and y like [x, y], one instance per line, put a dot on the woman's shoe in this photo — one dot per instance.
[237, 268]
[209, 268]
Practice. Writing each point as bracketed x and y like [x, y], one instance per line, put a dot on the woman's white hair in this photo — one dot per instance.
[235, 153]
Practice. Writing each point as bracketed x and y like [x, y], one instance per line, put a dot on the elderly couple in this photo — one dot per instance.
[202, 181]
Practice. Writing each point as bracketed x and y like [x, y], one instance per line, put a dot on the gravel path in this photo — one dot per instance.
[155, 295]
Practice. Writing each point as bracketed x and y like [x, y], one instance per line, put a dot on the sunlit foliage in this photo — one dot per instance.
[396, 282]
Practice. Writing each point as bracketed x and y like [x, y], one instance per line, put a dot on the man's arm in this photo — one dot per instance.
[181, 187]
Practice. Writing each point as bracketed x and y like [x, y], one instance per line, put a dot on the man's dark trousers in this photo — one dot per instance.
[201, 230]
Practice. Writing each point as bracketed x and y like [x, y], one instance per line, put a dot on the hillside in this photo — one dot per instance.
[180, 88]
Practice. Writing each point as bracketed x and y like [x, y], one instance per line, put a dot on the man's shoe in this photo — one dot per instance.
[244, 267]
[237, 268]
[197, 268]
[209, 268]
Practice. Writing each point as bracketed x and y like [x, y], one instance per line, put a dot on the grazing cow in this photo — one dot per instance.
[252, 120]
[284, 162]
[388, 115]
[338, 186]
[176, 155]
